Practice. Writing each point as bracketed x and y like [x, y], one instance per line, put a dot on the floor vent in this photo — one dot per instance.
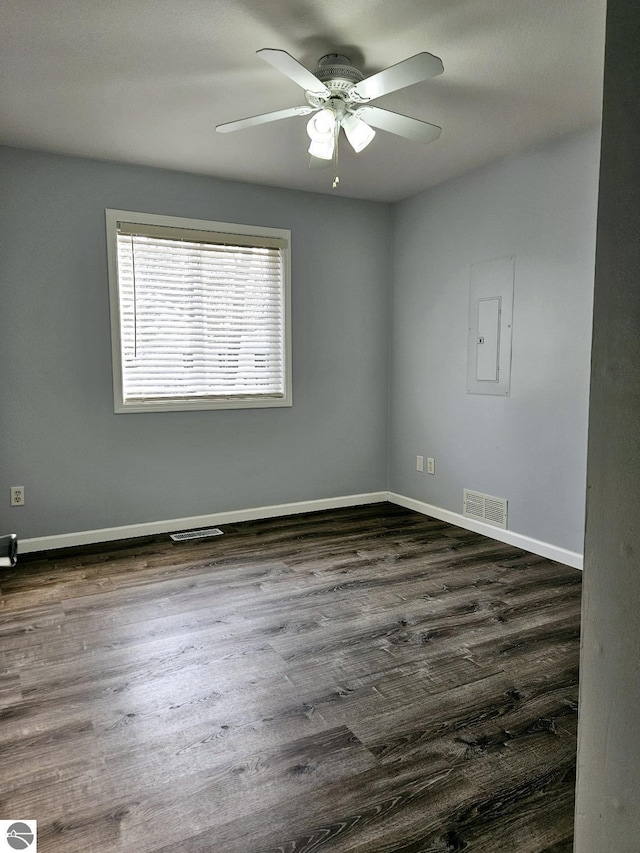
[485, 508]
[197, 534]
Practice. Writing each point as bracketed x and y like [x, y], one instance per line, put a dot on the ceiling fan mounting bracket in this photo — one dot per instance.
[316, 101]
[333, 59]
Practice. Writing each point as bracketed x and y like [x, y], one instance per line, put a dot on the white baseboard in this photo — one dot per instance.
[130, 531]
[551, 552]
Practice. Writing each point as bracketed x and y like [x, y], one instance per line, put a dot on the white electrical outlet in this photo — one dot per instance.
[431, 465]
[419, 463]
[17, 495]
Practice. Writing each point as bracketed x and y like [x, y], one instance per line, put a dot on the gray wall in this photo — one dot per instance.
[530, 447]
[82, 466]
[608, 792]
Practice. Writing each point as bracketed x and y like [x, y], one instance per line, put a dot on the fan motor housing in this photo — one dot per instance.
[337, 73]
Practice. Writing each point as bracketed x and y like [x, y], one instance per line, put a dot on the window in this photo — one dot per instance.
[199, 314]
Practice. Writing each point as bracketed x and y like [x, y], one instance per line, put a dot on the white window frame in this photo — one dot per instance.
[114, 218]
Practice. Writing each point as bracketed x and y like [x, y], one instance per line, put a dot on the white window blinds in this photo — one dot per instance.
[202, 315]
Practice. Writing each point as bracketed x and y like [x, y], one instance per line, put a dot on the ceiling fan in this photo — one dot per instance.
[338, 96]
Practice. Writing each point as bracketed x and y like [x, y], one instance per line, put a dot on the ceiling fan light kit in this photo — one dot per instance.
[338, 96]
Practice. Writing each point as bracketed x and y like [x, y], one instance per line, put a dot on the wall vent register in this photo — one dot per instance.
[205, 533]
[485, 508]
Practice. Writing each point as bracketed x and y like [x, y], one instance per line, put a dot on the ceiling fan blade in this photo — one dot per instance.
[289, 66]
[420, 67]
[410, 128]
[264, 118]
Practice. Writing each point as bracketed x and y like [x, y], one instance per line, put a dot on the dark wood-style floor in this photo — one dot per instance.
[364, 680]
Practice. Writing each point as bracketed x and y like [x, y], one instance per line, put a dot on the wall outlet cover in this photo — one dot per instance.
[17, 495]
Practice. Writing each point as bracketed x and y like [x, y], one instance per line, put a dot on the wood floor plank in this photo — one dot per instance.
[365, 680]
[10, 691]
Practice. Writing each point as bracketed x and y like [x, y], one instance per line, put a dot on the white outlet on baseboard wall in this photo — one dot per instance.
[431, 465]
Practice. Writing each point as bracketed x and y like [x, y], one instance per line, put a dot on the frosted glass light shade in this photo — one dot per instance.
[358, 132]
[323, 149]
[321, 128]
[321, 125]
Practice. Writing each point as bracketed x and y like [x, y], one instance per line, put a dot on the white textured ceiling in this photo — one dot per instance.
[146, 81]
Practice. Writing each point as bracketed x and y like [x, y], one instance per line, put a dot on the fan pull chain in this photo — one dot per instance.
[336, 179]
